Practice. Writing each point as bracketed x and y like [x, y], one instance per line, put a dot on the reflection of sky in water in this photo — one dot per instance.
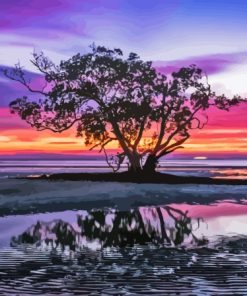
[230, 173]
[225, 218]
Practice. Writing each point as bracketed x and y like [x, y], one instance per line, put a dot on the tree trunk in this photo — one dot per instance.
[150, 164]
[135, 165]
[135, 169]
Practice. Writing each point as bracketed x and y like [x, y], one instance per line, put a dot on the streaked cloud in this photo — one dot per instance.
[210, 64]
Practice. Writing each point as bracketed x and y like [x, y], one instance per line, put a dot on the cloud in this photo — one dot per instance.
[63, 143]
[18, 14]
[27, 16]
[10, 90]
[10, 122]
[211, 64]
[234, 119]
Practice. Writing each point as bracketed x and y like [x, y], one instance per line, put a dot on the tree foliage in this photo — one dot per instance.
[109, 97]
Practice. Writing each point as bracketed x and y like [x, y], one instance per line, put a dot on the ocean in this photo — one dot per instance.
[216, 168]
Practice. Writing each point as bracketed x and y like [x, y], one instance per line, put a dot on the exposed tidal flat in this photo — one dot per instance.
[174, 249]
[25, 196]
[61, 237]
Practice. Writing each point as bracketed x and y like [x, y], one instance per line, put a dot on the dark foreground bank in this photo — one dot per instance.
[157, 178]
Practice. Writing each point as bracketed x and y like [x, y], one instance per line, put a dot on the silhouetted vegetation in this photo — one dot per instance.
[139, 177]
[113, 98]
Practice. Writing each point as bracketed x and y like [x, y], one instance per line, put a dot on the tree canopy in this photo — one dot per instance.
[110, 97]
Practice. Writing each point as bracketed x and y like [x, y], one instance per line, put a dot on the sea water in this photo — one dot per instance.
[209, 168]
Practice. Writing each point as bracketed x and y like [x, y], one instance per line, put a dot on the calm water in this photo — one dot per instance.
[207, 168]
[173, 248]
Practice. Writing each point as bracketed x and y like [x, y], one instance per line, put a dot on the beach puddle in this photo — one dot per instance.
[175, 248]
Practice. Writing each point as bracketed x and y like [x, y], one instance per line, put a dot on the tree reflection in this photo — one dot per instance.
[106, 228]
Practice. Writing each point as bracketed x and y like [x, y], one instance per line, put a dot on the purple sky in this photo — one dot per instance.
[173, 32]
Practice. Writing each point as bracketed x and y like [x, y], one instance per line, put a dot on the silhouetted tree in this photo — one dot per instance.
[112, 98]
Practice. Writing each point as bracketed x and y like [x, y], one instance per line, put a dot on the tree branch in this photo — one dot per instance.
[42, 128]
[23, 82]
[102, 144]
[179, 128]
[141, 130]
[173, 146]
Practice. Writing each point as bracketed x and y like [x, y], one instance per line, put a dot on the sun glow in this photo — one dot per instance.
[4, 139]
[200, 157]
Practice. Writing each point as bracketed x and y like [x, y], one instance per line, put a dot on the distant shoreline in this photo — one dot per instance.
[107, 167]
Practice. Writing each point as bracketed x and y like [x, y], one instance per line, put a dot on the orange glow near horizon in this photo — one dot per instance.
[226, 132]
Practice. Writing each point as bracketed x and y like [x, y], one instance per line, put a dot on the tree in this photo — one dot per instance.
[112, 98]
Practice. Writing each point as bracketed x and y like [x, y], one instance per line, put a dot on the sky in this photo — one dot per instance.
[172, 33]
